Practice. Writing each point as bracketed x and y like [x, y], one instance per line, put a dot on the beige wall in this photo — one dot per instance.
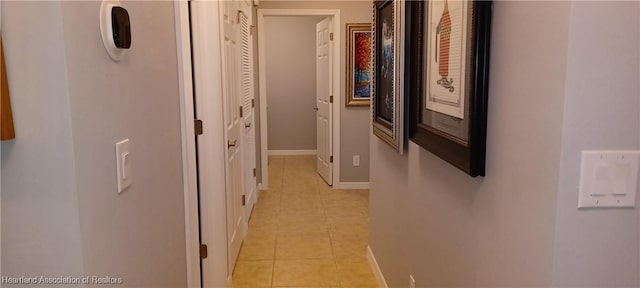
[431, 220]
[563, 79]
[70, 128]
[355, 122]
[290, 55]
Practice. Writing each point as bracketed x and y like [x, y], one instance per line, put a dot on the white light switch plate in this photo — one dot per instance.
[608, 179]
[356, 160]
[123, 165]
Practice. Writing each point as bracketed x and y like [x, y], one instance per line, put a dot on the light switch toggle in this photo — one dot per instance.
[601, 180]
[123, 165]
[608, 179]
[125, 162]
[621, 178]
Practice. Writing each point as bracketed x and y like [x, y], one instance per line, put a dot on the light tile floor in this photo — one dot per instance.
[302, 233]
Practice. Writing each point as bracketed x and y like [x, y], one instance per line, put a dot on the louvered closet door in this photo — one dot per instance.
[248, 143]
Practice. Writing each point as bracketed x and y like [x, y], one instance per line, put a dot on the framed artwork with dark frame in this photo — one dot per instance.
[448, 44]
[359, 64]
[388, 76]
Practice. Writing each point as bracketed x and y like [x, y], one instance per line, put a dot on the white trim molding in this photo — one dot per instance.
[292, 152]
[189, 168]
[337, 81]
[376, 269]
[351, 185]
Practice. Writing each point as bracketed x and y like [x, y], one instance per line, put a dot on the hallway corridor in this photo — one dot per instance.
[304, 234]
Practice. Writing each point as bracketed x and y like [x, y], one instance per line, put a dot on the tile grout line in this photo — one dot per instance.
[277, 232]
[326, 222]
[333, 251]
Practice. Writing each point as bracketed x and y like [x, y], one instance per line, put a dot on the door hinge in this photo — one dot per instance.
[331, 36]
[241, 111]
[330, 99]
[254, 172]
[330, 159]
[253, 103]
[197, 126]
[244, 200]
[203, 251]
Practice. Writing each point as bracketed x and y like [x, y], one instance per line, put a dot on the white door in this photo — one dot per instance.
[248, 135]
[234, 125]
[323, 100]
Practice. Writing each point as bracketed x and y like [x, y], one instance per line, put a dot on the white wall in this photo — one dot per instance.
[73, 103]
[290, 55]
[598, 247]
[354, 121]
[432, 220]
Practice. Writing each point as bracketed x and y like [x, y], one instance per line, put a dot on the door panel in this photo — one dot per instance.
[234, 124]
[248, 142]
[323, 104]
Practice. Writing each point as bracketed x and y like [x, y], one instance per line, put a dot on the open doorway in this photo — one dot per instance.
[298, 75]
[291, 84]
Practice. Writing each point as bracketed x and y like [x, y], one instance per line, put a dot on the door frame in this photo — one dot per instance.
[262, 74]
[189, 167]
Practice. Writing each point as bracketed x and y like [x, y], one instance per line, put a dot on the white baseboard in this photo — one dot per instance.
[259, 188]
[230, 280]
[251, 200]
[351, 185]
[291, 152]
[376, 269]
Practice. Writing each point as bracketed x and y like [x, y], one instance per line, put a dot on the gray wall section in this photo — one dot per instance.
[60, 200]
[142, 229]
[564, 78]
[598, 247]
[290, 54]
[431, 220]
[40, 221]
[354, 121]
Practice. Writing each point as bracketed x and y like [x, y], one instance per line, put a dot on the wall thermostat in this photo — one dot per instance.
[115, 28]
